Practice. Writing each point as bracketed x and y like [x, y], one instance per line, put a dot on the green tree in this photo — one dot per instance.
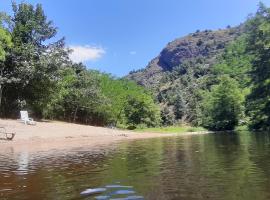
[235, 62]
[91, 97]
[78, 97]
[141, 110]
[31, 67]
[222, 106]
[258, 102]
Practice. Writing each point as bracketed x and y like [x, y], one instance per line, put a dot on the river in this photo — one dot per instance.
[213, 166]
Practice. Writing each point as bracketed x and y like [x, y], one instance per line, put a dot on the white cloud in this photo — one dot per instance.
[133, 53]
[86, 53]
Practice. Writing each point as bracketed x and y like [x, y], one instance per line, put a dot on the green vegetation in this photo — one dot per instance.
[172, 129]
[258, 44]
[37, 75]
[222, 106]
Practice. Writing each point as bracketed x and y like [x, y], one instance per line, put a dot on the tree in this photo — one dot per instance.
[91, 97]
[235, 62]
[31, 67]
[258, 102]
[121, 94]
[78, 97]
[222, 106]
[141, 110]
[179, 107]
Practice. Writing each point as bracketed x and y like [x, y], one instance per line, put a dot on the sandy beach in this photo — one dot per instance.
[60, 135]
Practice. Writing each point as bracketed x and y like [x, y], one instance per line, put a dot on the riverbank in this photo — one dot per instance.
[60, 135]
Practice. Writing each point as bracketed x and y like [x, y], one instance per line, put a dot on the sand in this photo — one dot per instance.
[51, 135]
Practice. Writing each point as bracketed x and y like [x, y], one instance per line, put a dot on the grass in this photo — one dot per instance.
[171, 129]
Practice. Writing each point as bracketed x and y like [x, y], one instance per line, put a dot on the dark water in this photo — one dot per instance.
[215, 166]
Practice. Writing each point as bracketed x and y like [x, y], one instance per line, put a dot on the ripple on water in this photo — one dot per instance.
[198, 167]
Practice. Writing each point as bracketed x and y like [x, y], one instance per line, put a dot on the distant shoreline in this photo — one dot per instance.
[54, 135]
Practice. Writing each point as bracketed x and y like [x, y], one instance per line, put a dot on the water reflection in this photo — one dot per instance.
[216, 166]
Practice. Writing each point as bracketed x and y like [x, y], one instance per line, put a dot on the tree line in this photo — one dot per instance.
[37, 74]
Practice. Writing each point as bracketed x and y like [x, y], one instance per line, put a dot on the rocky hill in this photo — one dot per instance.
[207, 45]
[170, 74]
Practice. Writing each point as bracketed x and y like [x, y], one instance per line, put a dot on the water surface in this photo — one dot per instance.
[214, 166]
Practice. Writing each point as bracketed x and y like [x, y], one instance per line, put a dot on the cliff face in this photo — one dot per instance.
[206, 45]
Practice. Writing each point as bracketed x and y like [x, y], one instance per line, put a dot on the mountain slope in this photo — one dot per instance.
[177, 73]
[207, 45]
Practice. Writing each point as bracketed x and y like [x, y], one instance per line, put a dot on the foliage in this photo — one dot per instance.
[30, 69]
[91, 97]
[258, 102]
[141, 110]
[235, 62]
[128, 103]
[222, 106]
[77, 98]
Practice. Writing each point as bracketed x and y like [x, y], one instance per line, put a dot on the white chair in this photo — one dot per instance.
[26, 119]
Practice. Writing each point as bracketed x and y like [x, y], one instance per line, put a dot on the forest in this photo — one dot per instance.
[37, 74]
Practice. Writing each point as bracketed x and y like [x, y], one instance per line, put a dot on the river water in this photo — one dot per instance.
[213, 166]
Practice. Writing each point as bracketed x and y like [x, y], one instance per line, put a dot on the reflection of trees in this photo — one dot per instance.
[228, 167]
[137, 164]
[214, 166]
[259, 151]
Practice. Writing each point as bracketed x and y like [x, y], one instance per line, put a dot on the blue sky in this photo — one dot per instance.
[117, 36]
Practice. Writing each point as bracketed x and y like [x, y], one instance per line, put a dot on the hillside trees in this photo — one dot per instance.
[258, 102]
[235, 62]
[181, 96]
